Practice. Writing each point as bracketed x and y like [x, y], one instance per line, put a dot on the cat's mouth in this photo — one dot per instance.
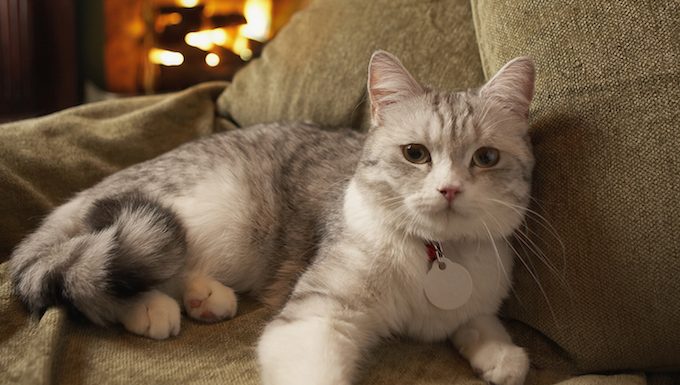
[446, 212]
[450, 208]
[440, 211]
[438, 208]
[455, 211]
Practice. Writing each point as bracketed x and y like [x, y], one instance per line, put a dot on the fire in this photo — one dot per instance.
[258, 14]
[163, 21]
[241, 48]
[208, 38]
[188, 3]
[165, 57]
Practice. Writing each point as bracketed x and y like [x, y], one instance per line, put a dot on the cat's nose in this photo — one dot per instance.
[449, 192]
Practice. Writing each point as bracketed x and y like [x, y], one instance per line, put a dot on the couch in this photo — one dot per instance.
[596, 295]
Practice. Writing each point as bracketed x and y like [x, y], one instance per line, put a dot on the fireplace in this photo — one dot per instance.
[58, 53]
[163, 45]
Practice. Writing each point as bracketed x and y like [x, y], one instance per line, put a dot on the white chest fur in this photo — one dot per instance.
[406, 309]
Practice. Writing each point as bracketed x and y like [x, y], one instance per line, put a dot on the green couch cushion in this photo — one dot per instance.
[44, 161]
[316, 67]
[605, 130]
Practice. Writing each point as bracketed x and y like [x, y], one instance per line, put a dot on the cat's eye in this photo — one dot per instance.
[486, 157]
[416, 153]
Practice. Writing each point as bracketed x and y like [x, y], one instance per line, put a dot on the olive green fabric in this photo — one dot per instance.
[56, 350]
[605, 130]
[44, 161]
[316, 67]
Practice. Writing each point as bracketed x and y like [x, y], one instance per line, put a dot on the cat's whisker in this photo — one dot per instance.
[529, 269]
[511, 245]
[391, 202]
[503, 236]
[528, 233]
[540, 287]
[533, 247]
[498, 256]
[544, 222]
[528, 213]
[528, 244]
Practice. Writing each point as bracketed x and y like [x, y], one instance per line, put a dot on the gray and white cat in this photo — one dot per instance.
[331, 226]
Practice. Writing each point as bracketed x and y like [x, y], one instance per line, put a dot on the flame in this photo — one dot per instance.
[187, 3]
[164, 57]
[258, 14]
[219, 36]
[241, 48]
[208, 38]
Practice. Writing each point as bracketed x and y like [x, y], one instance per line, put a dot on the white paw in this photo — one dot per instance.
[207, 300]
[501, 364]
[154, 315]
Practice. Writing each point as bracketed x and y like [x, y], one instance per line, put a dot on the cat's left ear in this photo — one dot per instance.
[513, 85]
[388, 83]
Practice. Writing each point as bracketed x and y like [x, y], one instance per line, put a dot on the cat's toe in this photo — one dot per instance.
[209, 301]
[502, 364]
[154, 315]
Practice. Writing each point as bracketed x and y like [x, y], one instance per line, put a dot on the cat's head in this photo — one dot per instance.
[444, 165]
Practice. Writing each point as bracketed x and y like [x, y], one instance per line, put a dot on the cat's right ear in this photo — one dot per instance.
[388, 83]
[513, 85]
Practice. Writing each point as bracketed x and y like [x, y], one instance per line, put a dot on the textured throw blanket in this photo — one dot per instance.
[56, 349]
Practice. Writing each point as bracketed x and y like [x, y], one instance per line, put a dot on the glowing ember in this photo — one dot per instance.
[164, 57]
[212, 59]
[241, 48]
[163, 21]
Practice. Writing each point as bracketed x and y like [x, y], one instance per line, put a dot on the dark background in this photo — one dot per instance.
[47, 49]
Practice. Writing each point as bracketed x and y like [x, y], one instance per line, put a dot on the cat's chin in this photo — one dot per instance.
[452, 225]
[444, 236]
[443, 230]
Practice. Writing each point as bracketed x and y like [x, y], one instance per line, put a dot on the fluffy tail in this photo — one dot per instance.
[94, 259]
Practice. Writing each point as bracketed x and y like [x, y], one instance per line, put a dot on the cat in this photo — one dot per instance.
[341, 231]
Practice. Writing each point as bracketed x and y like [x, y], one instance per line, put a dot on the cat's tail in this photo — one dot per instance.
[96, 257]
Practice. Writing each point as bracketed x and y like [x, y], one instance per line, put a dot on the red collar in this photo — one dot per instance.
[431, 251]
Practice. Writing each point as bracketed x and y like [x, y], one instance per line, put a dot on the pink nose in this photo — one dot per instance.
[449, 192]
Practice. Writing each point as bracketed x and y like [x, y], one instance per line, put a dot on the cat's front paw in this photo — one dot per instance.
[207, 300]
[501, 364]
[154, 315]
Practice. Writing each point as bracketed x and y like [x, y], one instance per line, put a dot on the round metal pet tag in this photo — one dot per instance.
[448, 285]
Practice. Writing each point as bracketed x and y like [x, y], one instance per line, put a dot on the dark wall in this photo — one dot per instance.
[39, 69]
